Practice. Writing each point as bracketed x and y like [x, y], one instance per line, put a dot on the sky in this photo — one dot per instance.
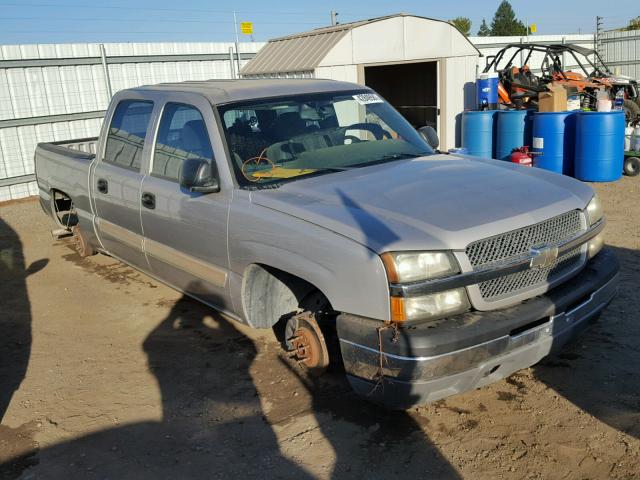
[65, 21]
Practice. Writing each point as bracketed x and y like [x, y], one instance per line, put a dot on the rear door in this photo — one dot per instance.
[186, 233]
[117, 179]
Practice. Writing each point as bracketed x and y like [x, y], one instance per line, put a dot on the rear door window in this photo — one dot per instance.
[182, 134]
[128, 129]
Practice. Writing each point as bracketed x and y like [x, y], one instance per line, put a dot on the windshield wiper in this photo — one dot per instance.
[398, 156]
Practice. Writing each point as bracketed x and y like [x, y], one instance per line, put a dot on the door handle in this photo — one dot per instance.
[148, 200]
[103, 185]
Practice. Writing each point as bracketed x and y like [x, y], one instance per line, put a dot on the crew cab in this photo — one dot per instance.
[314, 208]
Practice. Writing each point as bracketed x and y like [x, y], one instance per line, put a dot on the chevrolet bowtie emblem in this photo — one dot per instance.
[543, 256]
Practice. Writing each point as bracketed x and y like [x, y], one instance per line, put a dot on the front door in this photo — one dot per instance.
[117, 179]
[185, 233]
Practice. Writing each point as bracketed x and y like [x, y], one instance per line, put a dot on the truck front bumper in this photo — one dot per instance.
[420, 363]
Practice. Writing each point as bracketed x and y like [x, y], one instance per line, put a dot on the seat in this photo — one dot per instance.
[194, 139]
[289, 124]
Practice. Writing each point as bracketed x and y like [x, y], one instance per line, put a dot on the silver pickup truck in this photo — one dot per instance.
[312, 207]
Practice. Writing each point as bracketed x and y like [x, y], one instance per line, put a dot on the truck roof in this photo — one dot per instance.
[225, 91]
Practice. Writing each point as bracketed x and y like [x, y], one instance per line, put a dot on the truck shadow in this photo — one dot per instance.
[598, 371]
[370, 441]
[15, 321]
[15, 342]
[214, 424]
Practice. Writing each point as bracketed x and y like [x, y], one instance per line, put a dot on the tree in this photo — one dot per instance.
[484, 29]
[634, 24]
[505, 23]
[463, 24]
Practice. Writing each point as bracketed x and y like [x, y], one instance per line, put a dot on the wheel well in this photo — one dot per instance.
[270, 294]
[63, 210]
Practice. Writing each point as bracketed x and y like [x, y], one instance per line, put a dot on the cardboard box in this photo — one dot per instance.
[555, 100]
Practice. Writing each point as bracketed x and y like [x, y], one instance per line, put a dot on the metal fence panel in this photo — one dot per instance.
[621, 52]
[59, 91]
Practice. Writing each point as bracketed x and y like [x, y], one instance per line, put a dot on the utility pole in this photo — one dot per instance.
[334, 18]
[105, 68]
[596, 39]
[235, 27]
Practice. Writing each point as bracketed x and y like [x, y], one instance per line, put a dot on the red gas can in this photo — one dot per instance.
[522, 156]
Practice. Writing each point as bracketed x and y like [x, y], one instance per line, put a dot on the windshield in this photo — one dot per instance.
[274, 141]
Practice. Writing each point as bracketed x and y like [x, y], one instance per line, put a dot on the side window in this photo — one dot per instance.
[128, 128]
[182, 134]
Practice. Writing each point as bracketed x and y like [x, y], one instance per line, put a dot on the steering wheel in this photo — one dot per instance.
[374, 128]
[353, 138]
[256, 162]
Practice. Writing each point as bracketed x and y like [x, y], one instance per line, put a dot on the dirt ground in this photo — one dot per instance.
[107, 374]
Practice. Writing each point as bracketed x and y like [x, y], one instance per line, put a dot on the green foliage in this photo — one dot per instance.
[634, 24]
[484, 30]
[463, 24]
[505, 23]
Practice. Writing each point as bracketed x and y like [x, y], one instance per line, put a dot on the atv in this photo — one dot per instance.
[519, 86]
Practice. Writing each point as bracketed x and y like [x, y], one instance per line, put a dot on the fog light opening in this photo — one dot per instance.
[595, 245]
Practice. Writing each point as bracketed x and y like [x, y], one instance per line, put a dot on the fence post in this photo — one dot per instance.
[105, 67]
[232, 63]
[238, 60]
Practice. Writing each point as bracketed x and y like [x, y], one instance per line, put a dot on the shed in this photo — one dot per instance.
[424, 67]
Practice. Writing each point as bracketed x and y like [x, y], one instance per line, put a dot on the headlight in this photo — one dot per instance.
[429, 307]
[405, 267]
[594, 211]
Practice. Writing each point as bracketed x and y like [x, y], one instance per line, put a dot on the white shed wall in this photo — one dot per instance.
[456, 95]
[345, 73]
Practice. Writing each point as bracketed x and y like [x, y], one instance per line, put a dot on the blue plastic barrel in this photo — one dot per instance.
[554, 140]
[513, 130]
[487, 91]
[477, 133]
[599, 147]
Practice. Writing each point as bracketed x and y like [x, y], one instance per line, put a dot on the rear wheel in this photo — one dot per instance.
[631, 166]
[83, 247]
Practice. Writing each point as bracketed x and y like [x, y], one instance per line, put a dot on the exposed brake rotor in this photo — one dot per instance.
[306, 342]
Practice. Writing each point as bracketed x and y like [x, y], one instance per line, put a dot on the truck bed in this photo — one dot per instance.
[65, 167]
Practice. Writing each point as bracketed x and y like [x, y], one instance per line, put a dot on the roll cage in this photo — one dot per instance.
[552, 61]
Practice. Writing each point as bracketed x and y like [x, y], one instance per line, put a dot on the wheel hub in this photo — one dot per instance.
[307, 344]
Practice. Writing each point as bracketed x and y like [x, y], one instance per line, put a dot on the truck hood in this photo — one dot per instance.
[428, 203]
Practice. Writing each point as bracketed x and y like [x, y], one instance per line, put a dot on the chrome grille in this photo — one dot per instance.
[518, 242]
[499, 287]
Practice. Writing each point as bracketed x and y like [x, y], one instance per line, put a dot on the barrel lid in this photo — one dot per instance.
[612, 112]
[566, 112]
[479, 112]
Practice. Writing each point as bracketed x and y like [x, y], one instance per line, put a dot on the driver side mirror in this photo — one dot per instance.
[430, 135]
[198, 176]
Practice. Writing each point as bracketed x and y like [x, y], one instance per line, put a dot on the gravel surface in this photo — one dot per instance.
[106, 373]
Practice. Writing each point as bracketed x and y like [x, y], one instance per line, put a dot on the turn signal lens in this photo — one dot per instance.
[397, 309]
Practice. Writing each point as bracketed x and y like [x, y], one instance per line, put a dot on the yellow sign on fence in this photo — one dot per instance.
[246, 28]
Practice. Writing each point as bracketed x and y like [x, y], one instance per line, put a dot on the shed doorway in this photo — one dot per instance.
[412, 88]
